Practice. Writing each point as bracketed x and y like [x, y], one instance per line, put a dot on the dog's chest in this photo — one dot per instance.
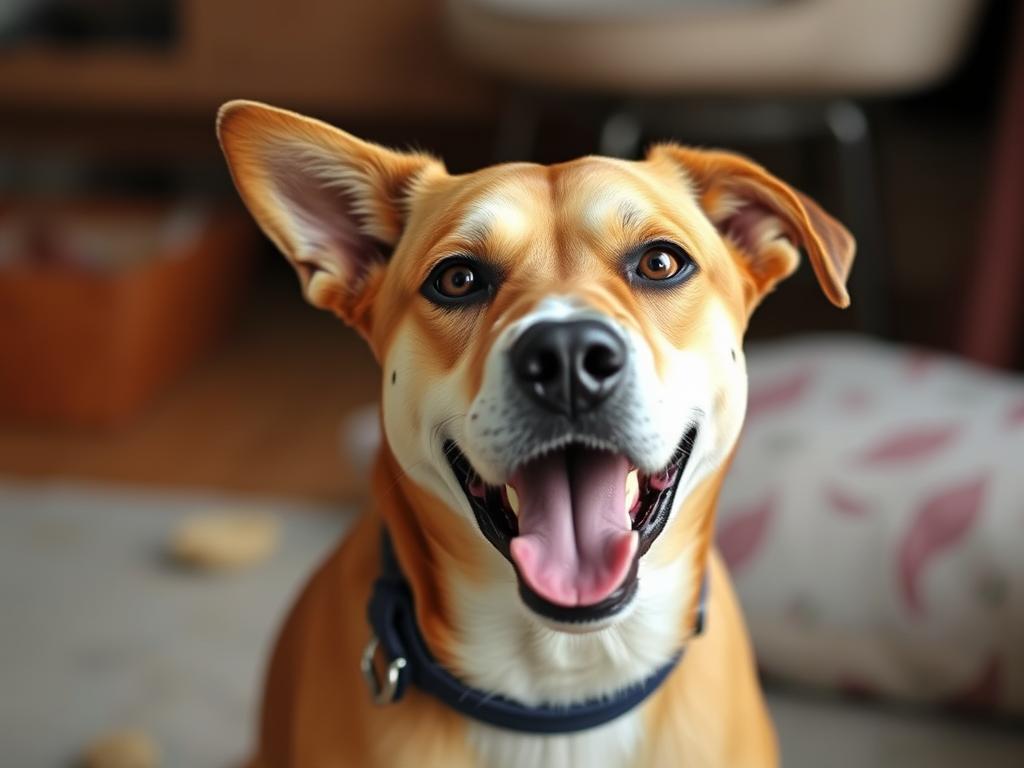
[608, 746]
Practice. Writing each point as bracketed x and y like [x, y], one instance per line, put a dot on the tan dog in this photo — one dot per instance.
[563, 387]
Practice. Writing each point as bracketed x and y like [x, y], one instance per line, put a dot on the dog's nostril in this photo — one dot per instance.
[602, 361]
[543, 366]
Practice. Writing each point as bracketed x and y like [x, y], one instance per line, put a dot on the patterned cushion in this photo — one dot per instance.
[874, 522]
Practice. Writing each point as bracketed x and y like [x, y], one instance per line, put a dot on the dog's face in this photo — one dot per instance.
[560, 346]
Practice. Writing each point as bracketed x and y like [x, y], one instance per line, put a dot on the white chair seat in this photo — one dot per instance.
[697, 46]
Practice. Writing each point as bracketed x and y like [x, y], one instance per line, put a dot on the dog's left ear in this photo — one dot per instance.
[766, 219]
[333, 204]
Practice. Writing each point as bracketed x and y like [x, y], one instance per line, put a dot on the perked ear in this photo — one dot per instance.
[333, 204]
[766, 219]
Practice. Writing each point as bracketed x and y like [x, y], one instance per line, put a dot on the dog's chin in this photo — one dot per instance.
[582, 626]
[573, 521]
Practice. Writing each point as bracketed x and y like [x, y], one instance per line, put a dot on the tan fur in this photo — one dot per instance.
[564, 230]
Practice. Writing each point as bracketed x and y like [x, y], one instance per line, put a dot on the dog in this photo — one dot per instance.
[563, 386]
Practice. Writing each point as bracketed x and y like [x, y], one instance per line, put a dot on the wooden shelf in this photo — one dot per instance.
[385, 59]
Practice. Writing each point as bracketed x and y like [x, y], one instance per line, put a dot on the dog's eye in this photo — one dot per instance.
[457, 280]
[660, 262]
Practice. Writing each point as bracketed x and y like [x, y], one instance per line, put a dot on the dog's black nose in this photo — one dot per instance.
[569, 367]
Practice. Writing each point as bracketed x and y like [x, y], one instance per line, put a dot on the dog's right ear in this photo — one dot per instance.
[333, 204]
[766, 219]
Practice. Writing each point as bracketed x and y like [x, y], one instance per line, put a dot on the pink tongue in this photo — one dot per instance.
[575, 543]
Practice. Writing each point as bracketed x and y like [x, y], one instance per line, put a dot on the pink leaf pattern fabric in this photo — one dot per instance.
[779, 394]
[873, 521]
[1015, 417]
[939, 524]
[920, 362]
[855, 400]
[845, 503]
[745, 532]
[909, 444]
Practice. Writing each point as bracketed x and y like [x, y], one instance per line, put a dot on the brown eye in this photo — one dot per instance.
[658, 264]
[457, 281]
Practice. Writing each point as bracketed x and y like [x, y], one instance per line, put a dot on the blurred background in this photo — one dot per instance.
[181, 438]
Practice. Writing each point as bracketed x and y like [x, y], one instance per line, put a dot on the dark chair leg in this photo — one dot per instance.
[848, 126]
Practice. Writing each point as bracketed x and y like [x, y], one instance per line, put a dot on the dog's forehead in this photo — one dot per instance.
[513, 199]
[522, 214]
[500, 209]
[599, 192]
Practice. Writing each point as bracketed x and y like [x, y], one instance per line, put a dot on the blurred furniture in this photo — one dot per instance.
[992, 331]
[872, 523]
[103, 304]
[385, 58]
[779, 70]
[739, 47]
[151, 23]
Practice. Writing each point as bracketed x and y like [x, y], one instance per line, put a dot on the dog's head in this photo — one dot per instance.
[560, 345]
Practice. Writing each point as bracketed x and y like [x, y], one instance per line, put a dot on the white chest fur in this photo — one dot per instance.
[507, 651]
[608, 746]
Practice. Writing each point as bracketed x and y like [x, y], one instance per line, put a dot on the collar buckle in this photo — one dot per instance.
[386, 692]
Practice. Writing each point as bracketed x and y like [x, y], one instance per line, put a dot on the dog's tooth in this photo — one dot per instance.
[632, 489]
[513, 498]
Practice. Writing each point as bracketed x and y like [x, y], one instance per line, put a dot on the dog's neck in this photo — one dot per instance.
[474, 622]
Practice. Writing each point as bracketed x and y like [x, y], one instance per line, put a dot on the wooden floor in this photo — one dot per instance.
[261, 416]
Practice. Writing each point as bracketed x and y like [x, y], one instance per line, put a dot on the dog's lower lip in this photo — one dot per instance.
[499, 524]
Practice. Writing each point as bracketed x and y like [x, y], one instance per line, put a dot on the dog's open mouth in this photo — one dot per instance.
[574, 523]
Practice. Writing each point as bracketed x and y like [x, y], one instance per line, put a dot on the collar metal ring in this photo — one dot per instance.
[381, 693]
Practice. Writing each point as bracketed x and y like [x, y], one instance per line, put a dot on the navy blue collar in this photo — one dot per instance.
[392, 616]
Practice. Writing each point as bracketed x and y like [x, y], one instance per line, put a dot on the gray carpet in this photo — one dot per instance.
[99, 631]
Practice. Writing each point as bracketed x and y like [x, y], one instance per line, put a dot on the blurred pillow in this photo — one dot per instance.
[874, 522]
